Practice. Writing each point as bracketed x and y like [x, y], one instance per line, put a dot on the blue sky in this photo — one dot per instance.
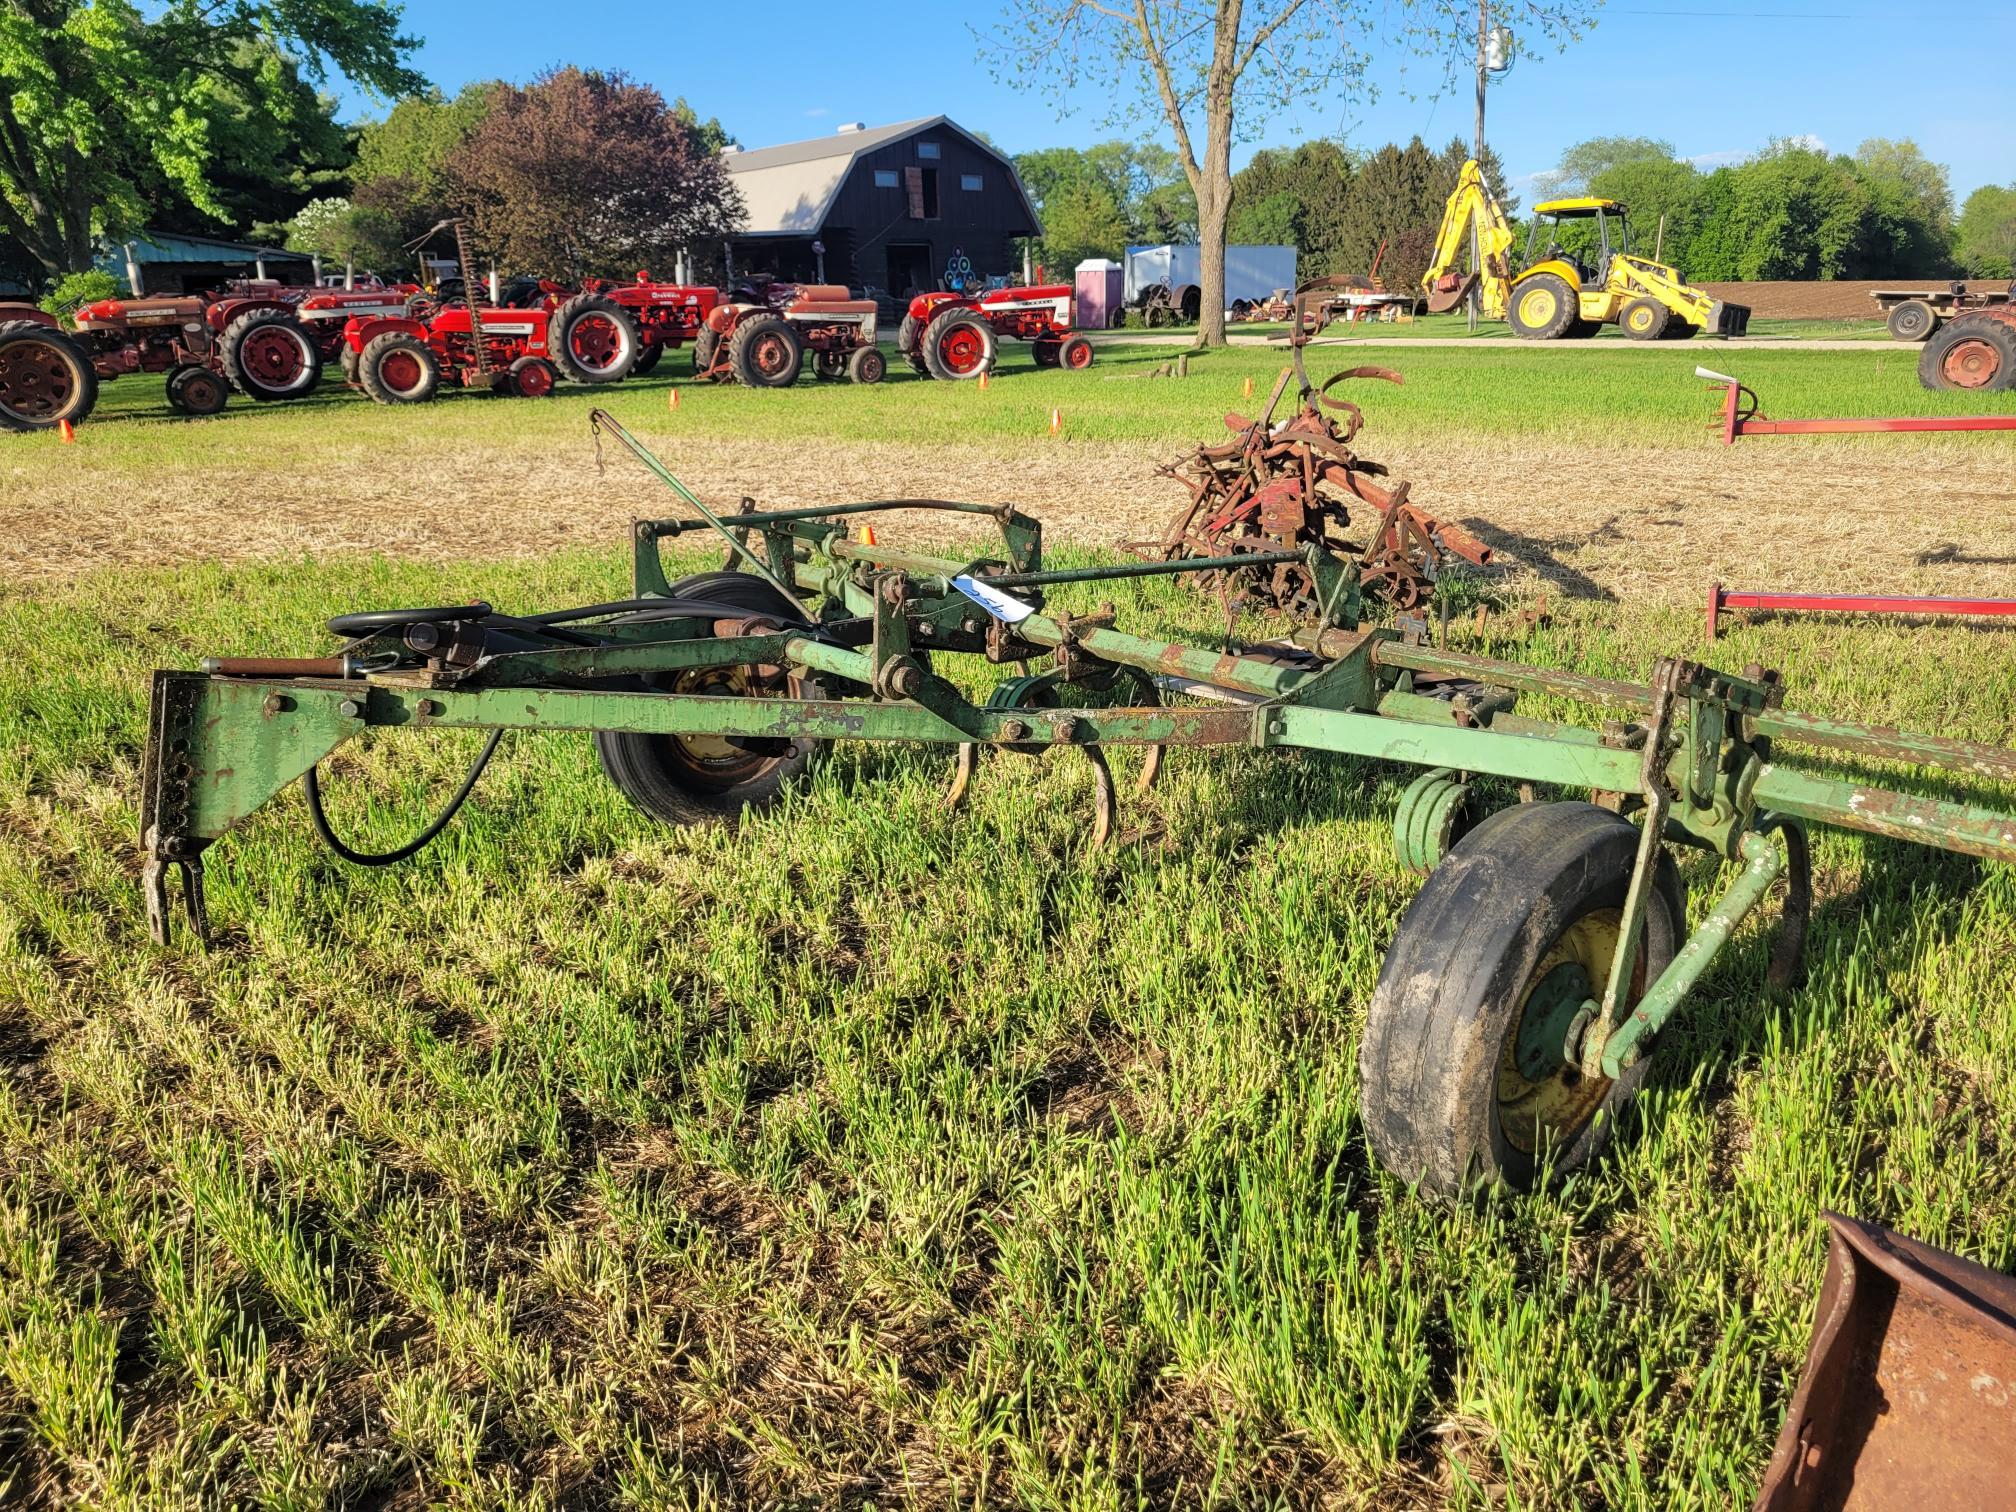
[1712, 78]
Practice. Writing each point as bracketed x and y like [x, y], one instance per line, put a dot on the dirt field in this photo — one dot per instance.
[1590, 523]
[1834, 299]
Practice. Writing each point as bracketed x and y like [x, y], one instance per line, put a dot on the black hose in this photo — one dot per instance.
[313, 783]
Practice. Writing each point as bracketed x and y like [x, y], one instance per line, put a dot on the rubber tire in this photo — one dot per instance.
[647, 359]
[232, 343]
[829, 367]
[83, 377]
[706, 342]
[867, 365]
[1567, 306]
[515, 385]
[637, 764]
[906, 343]
[1044, 351]
[1454, 975]
[346, 359]
[374, 354]
[1913, 320]
[1999, 335]
[1657, 318]
[563, 320]
[180, 382]
[940, 327]
[1681, 330]
[1075, 355]
[742, 349]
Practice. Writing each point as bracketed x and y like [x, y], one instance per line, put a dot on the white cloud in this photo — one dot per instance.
[1806, 140]
[817, 111]
[1715, 159]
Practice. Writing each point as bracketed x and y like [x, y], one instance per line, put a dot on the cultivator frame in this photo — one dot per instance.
[851, 650]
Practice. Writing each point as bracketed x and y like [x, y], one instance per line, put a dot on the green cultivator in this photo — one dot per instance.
[1528, 980]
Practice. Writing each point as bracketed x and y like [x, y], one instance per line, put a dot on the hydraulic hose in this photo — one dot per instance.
[320, 819]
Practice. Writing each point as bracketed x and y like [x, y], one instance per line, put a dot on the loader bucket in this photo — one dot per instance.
[1908, 1398]
[1441, 300]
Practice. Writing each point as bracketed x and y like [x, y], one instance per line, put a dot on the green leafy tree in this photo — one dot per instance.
[1585, 162]
[104, 104]
[1909, 225]
[1081, 220]
[412, 144]
[1139, 181]
[83, 288]
[1653, 190]
[1986, 232]
[347, 232]
[1270, 222]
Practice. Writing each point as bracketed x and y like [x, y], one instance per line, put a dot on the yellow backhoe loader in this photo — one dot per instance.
[1562, 291]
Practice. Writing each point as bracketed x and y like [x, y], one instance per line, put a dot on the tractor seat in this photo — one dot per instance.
[822, 293]
[839, 305]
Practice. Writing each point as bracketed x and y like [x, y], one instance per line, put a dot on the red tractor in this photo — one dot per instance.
[762, 340]
[954, 336]
[402, 359]
[665, 315]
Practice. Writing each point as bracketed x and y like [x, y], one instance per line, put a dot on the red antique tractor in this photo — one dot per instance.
[403, 360]
[762, 342]
[665, 315]
[954, 336]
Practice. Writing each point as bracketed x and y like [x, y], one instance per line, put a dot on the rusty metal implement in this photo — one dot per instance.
[1524, 989]
[1908, 1398]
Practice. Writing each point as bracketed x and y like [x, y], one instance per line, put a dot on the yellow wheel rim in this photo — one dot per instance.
[1536, 306]
[1542, 1099]
[1641, 320]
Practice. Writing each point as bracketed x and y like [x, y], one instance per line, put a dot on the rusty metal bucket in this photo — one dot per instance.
[1908, 1398]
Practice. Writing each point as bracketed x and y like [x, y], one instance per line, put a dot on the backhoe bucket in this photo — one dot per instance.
[1441, 301]
[1908, 1398]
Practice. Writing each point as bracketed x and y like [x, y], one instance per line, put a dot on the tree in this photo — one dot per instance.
[1656, 189]
[1909, 229]
[1081, 220]
[1585, 162]
[412, 144]
[589, 174]
[1300, 197]
[104, 104]
[1986, 232]
[1114, 194]
[1200, 65]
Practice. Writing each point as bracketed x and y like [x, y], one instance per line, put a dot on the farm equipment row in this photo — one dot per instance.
[1527, 984]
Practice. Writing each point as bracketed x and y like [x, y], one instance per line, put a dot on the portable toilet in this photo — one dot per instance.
[1100, 300]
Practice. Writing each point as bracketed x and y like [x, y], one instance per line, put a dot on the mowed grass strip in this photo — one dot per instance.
[876, 1153]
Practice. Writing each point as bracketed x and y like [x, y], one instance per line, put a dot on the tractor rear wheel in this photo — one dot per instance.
[1544, 308]
[1913, 320]
[906, 343]
[268, 356]
[1465, 1074]
[1645, 319]
[398, 369]
[1075, 355]
[45, 378]
[711, 779]
[765, 352]
[532, 378]
[867, 365]
[957, 345]
[593, 339]
[196, 391]
[1977, 352]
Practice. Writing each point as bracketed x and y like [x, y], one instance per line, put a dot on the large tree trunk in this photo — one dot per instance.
[1214, 208]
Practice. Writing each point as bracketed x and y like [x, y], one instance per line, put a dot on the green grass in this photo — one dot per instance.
[871, 1153]
[1451, 395]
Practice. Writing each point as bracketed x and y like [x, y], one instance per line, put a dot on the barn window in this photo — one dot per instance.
[969, 181]
[885, 178]
[928, 151]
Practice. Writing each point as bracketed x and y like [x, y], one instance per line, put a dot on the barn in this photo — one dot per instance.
[891, 210]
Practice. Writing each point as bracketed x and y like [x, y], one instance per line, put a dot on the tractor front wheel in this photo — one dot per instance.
[906, 343]
[712, 779]
[268, 356]
[1044, 350]
[866, 365]
[1645, 319]
[765, 352]
[1544, 308]
[1075, 355]
[1978, 352]
[649, 358]
[593, 339]
[532, 378]
[958, 345]
[398, 369]
[45, 378]
[831, 367]
[706, 347]
[196, 390]
[1467, 1067]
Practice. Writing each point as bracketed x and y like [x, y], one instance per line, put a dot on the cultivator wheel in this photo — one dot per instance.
[1468, 1062]
[267, 356]
[398, 369]
[958, 345]
[765, 352]
[593, 340]
[713, 779]
[45, 378]
[196, 391]
[1975, 352]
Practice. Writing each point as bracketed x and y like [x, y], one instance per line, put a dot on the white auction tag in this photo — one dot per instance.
[1002, 606]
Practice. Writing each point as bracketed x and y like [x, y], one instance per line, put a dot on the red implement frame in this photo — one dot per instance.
[1720, 598]
[1740, 417]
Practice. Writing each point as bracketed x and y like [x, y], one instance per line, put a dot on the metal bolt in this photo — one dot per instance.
[1014, 729]
[1276, 727]
[278, 703]
[427, 708]
[970, 624]
[1064, 727]
[350, 708]
[925, 630]
[905, 679]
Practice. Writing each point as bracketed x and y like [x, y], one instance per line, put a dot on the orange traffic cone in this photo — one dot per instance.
[1056, 422]
[867, 534]
[67, 431]
[1248, 390]
[983, 378]
[673, 403]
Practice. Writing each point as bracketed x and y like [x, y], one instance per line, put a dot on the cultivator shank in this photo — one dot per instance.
[707, 694]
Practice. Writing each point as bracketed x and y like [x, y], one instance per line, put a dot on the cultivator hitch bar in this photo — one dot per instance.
[706, 695]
